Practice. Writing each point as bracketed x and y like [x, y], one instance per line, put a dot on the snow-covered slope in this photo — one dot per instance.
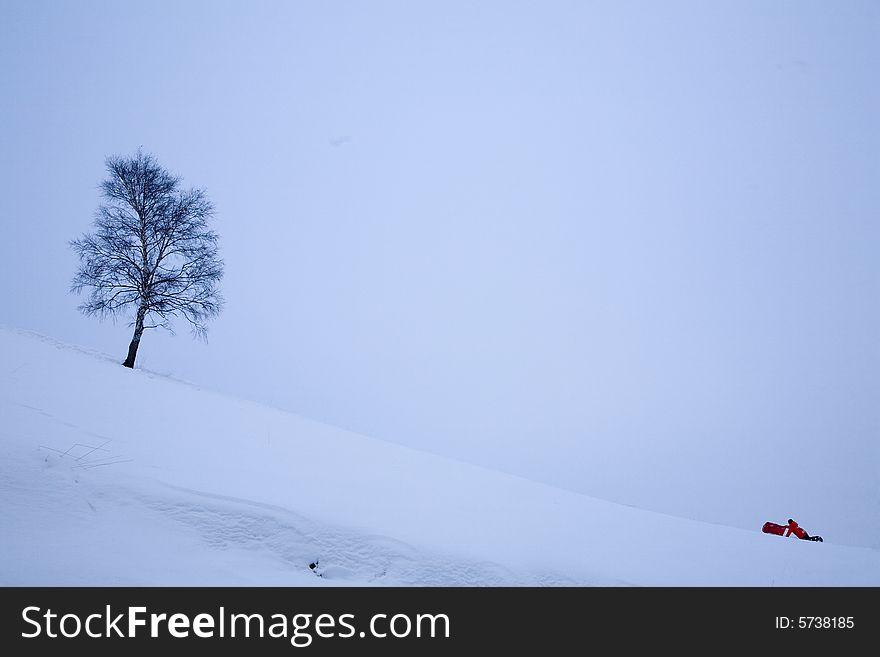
[116, 477]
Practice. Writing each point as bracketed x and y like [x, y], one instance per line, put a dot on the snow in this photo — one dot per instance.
[110, 476]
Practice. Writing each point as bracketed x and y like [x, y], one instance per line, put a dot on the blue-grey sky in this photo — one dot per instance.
[564, 239]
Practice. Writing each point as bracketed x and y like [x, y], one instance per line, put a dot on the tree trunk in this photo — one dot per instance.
[136, 339]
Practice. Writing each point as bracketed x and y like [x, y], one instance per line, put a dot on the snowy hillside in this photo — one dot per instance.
[117, 477]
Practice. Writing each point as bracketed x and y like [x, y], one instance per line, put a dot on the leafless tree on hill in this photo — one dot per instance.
[152, 254]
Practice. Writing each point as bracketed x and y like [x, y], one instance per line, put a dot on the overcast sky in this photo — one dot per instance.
[558, 238]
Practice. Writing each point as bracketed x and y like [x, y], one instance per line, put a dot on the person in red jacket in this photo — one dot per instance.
[794, 528]
[797, 530]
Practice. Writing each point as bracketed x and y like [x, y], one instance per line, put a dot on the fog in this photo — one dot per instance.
[620, 247]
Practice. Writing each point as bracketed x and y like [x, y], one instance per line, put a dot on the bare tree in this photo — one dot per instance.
[151, 254]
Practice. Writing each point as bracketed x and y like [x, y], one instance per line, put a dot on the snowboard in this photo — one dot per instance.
[773, 528]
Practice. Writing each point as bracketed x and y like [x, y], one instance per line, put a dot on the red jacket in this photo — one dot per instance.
[793, 528]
